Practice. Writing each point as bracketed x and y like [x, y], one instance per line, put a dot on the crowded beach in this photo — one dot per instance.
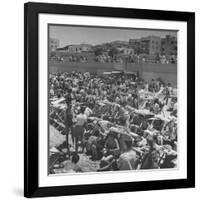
[110, 122]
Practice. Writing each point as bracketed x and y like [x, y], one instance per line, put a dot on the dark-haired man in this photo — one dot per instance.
[78, 129]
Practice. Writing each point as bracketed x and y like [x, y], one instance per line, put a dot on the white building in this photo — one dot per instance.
[126, 50]
[53, 44]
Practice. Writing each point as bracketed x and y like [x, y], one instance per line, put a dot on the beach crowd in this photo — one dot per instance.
[115, 119]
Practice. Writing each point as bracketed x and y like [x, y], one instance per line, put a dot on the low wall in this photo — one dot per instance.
[167, 72]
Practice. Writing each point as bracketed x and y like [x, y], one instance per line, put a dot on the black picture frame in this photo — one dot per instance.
[31, 12]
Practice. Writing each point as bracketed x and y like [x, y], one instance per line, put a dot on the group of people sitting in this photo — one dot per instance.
[104, 121]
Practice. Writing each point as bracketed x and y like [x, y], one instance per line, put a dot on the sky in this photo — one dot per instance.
[96, 35]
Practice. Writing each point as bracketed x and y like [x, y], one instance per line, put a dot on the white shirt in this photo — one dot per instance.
[81, 119]
[88, 112]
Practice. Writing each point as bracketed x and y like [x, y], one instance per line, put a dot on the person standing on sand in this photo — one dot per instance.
[68, 125]
[78, 129]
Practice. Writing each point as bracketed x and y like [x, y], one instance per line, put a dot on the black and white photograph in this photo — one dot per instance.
[109, 99]
[100, 100]
[112, 99]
